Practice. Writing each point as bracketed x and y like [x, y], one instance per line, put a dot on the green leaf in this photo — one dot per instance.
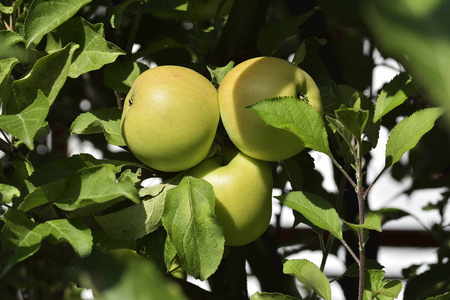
[275, 33]
[271, 296]
[434, 281]
[130, 277]
[353, 270]
[218, 73]
[193, 228]
[104, 120]
[6, 9]
[371, 221]
[156, 46]
[7, 39]
[314, 208]
[137, 220]
[94, 51]
[120, 76]
[8, 193]
[390, 214]
[338, 127]
[416, 34]
[353, 119]
[374, 286]
[95, 187]
[46, 15]
[6, 66]
[25, 124]
[407, 133]
[394, 94]
[24, 237]
[42, 195]
[114, 13]
[61, 169]
[49, 74]
[297, 116]
[445, 296]
[310, 275]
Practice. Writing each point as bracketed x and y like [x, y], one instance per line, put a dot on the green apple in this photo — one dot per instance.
[243, 190]
[170, 117]
[254, 80]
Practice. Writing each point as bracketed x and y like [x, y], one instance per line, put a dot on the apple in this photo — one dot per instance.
[243, 190]
[254, 80]
[170, 117]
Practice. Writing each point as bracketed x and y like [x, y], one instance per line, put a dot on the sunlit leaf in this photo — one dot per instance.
[45, 15]
[314, 208]
[25, 124]
[8, 193]
[296, 116]
[193, 228]
[393, 94]
[407, 133]
[94, 51]
[310, 275]
[104, 120]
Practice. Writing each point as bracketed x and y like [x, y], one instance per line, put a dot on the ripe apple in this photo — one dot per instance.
[243, 190]
[254, 80]
[170, 118]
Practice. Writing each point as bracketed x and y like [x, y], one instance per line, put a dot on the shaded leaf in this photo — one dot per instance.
[6, 66]
[353, 119]
[407, 133]
[7, 39]
[25, 124]
[310, 275]
[130, 277]
[26, 237]
[114, 13]
[271, 296]
[314, 208]
[275, 33]
[416, 34]
[120, 76]
[218, 73]
[45, 15]
[94, 51]
[297, 116]
[156, 46]
[137, 220]
[95, 186]
[49, 74]
[104, 120]
[193, 228]
[393, 94]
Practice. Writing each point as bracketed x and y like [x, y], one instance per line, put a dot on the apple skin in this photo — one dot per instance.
[254, 80]
[243, 190]
[170, 118]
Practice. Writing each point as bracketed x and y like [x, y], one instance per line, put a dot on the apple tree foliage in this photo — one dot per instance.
[61, 214]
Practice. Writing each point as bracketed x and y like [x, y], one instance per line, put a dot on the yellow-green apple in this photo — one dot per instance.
[254, 80]
[170, 117]
[243, 190]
